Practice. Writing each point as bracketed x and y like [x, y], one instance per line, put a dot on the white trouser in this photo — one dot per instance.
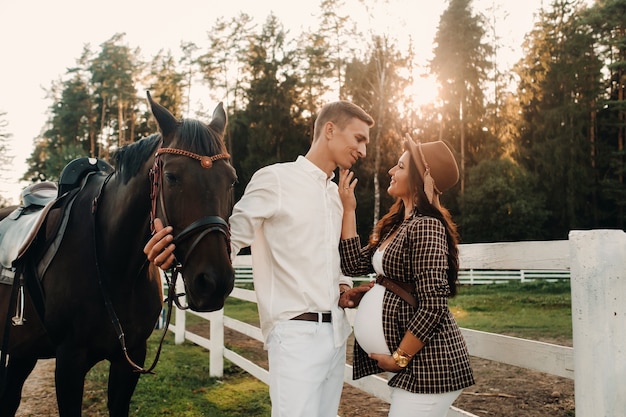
[409, 404]
[306, 369]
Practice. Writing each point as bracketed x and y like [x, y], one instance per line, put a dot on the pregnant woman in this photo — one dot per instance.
[403, 324]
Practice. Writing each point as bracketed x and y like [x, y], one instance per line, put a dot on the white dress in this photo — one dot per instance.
[368, 323]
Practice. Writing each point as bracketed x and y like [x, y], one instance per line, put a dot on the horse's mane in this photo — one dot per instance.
[192, 135]
[129, 159]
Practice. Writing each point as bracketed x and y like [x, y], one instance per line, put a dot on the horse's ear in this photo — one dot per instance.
[219, 119]
[166, 120]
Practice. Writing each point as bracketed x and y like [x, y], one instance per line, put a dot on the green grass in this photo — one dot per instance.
[242, 310]
[538, 310]
[182, 387]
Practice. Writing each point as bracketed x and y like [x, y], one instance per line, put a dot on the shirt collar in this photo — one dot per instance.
[313, 169]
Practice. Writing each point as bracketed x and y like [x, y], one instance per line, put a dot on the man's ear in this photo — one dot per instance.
[329, 130]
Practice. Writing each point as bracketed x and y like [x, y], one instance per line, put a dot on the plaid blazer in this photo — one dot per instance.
[417, 254]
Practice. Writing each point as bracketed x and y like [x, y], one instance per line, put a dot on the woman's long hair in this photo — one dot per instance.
[421, 205]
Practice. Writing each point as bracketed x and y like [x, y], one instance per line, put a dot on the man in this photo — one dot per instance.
[290, 215]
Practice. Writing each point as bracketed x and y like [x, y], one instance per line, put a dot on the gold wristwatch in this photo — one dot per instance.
[401, 358]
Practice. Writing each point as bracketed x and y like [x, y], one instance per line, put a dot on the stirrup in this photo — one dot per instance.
[18, 319]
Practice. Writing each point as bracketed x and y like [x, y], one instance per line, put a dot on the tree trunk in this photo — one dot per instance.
[105, 152]
[462, 132]
[121, 140]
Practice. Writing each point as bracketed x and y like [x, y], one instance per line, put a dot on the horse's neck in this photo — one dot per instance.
[123, 217]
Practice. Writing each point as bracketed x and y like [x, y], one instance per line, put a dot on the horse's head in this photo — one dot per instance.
[193, 192]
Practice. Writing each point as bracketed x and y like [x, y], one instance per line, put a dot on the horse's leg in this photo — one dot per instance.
[71, 367]
[18, 370]
[122, 383]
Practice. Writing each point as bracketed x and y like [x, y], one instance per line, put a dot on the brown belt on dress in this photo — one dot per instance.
[401, 289]
[319, 317]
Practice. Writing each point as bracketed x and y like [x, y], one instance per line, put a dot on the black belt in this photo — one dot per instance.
[325, 317]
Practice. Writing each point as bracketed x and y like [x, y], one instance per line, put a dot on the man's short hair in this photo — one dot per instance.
[340, 113]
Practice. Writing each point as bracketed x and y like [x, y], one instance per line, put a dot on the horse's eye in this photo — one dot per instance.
[170, 178]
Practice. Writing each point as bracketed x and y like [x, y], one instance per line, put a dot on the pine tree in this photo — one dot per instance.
[460, 64]
[376, 85]
[223, 65]
[113, 76]
[607, 19]
[559, 80]
[275, 129]
[69, 130]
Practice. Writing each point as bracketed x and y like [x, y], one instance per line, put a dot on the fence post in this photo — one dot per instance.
[598, 282]
[216, 358]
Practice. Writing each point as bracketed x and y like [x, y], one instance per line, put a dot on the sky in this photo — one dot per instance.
[40, 39]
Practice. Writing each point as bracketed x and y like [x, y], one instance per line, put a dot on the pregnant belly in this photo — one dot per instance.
[368, 323]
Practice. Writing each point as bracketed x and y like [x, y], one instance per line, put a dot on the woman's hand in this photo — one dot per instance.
[160, 249]
[385, 362]
[347, 182]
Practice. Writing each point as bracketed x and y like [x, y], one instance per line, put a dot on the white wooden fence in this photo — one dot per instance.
[596, 261]
[470, 276]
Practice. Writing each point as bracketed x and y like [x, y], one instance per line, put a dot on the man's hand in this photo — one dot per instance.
[160, 249]
[352, 297]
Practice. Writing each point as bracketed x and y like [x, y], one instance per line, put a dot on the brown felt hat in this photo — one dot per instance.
[435, 164]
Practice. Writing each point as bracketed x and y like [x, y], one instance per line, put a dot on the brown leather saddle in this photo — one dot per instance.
[46, 204]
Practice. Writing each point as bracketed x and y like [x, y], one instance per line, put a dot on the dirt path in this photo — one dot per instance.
[38, 397]
[500, 390]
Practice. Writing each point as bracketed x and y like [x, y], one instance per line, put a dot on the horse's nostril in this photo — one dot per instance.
[206, 284]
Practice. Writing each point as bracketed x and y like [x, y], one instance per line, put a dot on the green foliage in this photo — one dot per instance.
[95, 109]
[341, 40]
[317, 69]
[113, 75]
[606, 23]
[376, 84]
[502, 203]
[276, 130]
[563, 128]
[70, 134]
[558, 89]
[164, 83]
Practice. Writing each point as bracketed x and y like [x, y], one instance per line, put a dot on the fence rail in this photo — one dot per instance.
[243, 275]
[598, 273]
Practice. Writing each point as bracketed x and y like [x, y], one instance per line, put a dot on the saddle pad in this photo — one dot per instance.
[17, 232]
[7, 276]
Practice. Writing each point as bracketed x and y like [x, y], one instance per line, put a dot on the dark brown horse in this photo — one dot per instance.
[98, 298]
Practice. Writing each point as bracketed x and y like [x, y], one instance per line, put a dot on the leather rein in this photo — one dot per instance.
[200, 227]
